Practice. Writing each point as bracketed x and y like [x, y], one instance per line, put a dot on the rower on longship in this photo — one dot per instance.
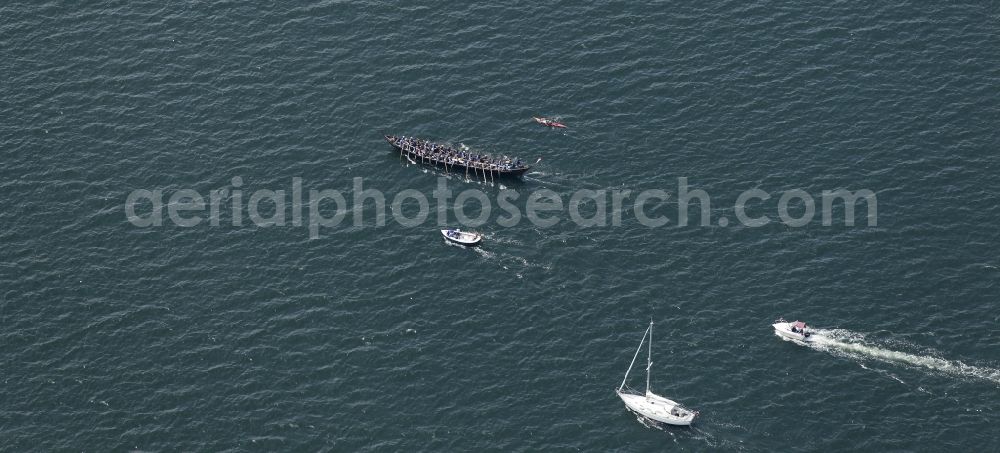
[461, 160]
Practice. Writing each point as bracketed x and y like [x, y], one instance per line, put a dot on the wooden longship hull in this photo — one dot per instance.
[458, 165]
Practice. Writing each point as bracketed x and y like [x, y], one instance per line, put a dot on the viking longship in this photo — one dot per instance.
[462, 161]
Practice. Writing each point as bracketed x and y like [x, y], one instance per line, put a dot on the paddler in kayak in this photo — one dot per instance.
[548, 122]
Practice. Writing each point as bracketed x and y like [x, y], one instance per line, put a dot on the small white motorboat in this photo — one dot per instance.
[796, 330]
[650, 405]
[462, 237]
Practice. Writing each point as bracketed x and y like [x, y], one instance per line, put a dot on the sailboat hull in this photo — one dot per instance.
[658, 408]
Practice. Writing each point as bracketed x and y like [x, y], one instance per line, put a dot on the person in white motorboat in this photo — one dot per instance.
[800, 328]
[462, 237]
[795, 330]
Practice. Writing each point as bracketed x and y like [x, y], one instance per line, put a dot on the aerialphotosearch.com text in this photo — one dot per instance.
[323, 210]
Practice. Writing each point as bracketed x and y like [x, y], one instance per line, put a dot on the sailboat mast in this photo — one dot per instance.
[636, 356]
[649, 357]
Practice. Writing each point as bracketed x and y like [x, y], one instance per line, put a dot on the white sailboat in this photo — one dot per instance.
[651, 405]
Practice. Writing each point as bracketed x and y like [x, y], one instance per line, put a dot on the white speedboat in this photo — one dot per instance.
[462, 237]
[649, 404]
[796, 330]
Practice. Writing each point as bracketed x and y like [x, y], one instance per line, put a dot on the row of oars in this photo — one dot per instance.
[475, 170]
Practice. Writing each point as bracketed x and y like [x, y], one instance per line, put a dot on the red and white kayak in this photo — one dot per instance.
[547, 122]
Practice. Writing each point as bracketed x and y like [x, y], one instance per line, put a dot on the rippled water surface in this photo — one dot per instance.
[223, 338]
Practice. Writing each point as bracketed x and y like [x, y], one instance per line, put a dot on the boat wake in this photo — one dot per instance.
[509, 262]
[854, 345]
[514, 263]
[500, 239]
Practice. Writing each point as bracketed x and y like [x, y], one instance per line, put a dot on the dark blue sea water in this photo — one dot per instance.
[115, 337]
